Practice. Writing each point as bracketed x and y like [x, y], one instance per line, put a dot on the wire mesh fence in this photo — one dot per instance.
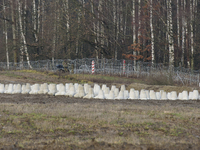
[111, 67]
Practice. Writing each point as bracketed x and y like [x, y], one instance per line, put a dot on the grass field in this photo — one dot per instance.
[49, 122]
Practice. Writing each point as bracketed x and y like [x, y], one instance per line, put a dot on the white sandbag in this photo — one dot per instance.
[147, 94]
[173, 95]
[34, 89]
[152, 95]
[60, 90]
[10, 89]
[143, 95]
[90, 94]
[195, 95]
[6, 88]
[26, 88]
[185, 95]
[111, 95]
[76, 87]
[17, 89]
[72, 91]
[190, 95]
[132, 93]
[96, 89]
[137, 94]
[67, 87]
[1, 88]
[43, 89]
[52, 89]
[180, 96]
[116, 92]
[121, 95]
[126, 94]
[100, 95]
[104, 87]
[169, 95]
[23, 89]
[123, 88]
[81, 92]
[86, 88]
[106, 91]
[163, 96]
[113, 87]
[158, 95]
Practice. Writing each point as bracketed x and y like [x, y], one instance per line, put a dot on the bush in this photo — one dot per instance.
[160, 79]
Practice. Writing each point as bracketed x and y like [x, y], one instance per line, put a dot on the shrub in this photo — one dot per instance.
[160, 79]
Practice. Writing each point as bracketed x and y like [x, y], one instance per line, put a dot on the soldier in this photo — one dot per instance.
[65, 65]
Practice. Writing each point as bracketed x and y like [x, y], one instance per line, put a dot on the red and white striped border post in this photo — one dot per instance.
[93, 67]
[124, 66]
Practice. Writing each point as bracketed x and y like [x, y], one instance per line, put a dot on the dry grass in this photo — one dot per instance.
[36, 125]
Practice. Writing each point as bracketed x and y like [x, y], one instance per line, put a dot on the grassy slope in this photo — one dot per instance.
[76, 125]
[64, 125]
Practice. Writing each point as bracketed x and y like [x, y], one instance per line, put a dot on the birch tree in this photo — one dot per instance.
[178, 24]
[6, 34]
[22, 34]
[152, 34]
[192, 4]
[183, 30]
[35, 22]
[170, 33]
[134, 32]
[13, 32]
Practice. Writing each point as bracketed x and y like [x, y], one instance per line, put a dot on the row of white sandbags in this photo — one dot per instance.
[104, 92]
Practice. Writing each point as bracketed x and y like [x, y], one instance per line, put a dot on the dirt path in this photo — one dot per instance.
[45, 99]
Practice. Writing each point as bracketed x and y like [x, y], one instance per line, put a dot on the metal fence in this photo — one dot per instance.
[112, 67]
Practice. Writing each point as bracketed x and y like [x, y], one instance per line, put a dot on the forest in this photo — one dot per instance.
[155, 31]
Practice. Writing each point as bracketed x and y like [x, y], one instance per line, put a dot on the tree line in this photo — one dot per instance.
[156, 31]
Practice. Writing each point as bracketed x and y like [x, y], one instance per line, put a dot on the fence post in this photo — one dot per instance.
[124, 67]
[93, 67]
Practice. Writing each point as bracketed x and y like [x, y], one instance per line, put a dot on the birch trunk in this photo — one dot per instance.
[54, 35]
[192, 34]
[186, 37]
[6, 34]
[139, 21]
[67, 13]
[25, 9]
[22, 34]
[183, 32]
[170, 34]
[178, 28]
[114, 24]
[125, 21]
[43, 14]
[34, 21]
[94, 28]
[152, 34]
[134, 34]
[38, 18]
[77, 38]
[14, 34]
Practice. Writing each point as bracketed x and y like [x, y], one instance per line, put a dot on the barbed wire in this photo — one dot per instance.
[111, 67]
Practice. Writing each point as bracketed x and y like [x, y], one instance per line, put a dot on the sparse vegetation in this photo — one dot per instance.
[82, 124]
[48, 122]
